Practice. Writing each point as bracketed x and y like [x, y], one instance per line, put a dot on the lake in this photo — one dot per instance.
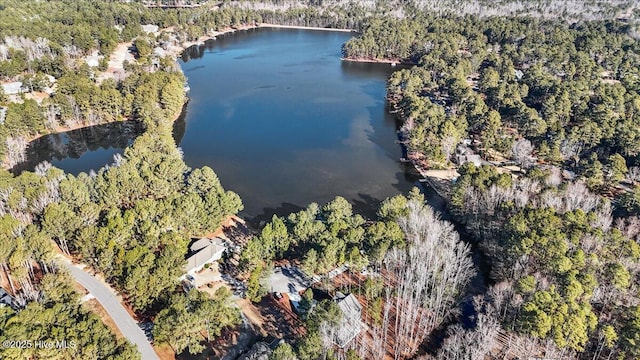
[282, 121]
[81, 150]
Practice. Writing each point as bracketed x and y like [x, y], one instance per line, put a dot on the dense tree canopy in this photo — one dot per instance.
[571, 90]
[560, 101]
[59, 317]
[187, 317]
[565, 270]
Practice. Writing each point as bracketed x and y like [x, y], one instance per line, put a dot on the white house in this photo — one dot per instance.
[150, 28]
[475, 159]
[12, 88]
[93, 60]
[202, 252]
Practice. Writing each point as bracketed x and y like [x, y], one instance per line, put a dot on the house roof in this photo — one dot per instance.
[351, 324]
[5, 298]
[211, 251]
[473, 158]
[204, 242]
[350, 306]
[12, 88]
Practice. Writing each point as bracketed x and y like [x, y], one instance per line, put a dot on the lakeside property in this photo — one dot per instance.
[124, 53]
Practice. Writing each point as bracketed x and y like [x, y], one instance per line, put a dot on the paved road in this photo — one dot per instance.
[120, 316]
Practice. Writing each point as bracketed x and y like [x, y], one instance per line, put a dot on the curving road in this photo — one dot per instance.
[127, 325]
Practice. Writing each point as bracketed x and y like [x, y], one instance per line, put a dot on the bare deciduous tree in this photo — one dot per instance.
[448, 145]
[578, 196]
[521, 151]
[633, 175]
[555, 176]
[76, 117]
[571, 150]
[473, 344]
[51, 117]
[16, 150]
[427, 276]
[4, 52]
[551, 199]
[630, 227]
[604, 217]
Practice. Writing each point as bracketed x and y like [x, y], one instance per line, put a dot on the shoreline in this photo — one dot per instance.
[187, 44]
[298, 27]
[64, 129]
[392, 62]
[179, 49]
[59, 130]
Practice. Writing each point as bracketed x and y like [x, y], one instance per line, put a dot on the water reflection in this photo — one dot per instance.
[81, 150]
[295, 127]
[180, 126]
[198, 51]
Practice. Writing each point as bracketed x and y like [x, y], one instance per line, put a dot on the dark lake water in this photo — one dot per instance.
[81, 150]
[282, 121]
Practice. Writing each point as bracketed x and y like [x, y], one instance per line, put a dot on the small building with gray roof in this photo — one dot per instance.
[7, 300]
[203, 251]
[351, 322]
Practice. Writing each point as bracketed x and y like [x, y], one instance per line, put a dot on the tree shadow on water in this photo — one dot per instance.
[366, 205]
[406, 178]
[284, 209]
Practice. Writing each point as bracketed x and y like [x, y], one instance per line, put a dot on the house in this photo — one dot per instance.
[337, 271]
[6, 299]
[351, 323]
[475, 159]
[93, 60]
[150, 28]
[464, 154]
[203, 251]
[295, 299]
[12, 88]
[288, 279]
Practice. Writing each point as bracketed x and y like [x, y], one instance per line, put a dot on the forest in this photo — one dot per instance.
[50, 51]
[573, 93]
[420, 258]
[550, 88]
[133, 229]
[560, 231]
[131, 221]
